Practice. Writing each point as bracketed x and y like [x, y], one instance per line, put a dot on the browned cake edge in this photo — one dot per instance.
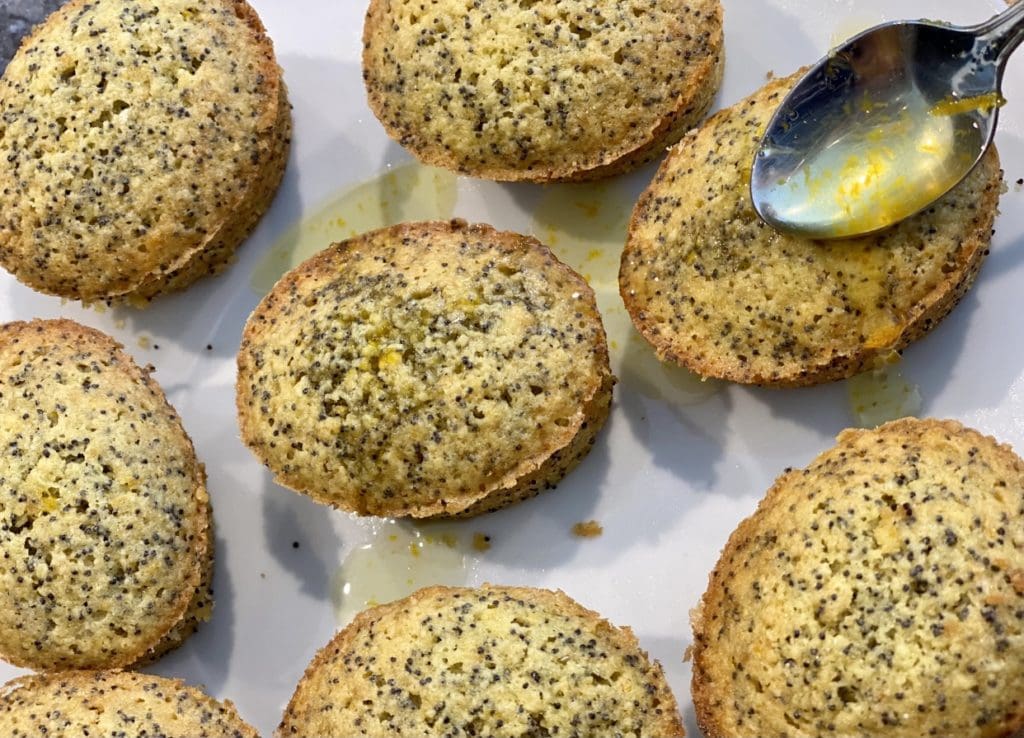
[219, 251]
[291, 722]
[200, 606]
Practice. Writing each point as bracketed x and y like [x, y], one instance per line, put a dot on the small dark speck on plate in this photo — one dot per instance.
[295, 544]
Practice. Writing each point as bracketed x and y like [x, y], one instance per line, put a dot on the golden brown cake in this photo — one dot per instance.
[139, 145]
[427, 369]
[493, 661]
[878, 593]
[541, 90]
[114, 703]
[713, 288]
[104, 516]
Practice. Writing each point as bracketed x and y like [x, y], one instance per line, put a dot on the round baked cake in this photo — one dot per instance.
[541, 89]
[713, 288]
[139, 145]
[427, 369]
[878, 593]
[104, 516]
[493, 661]
[114, 703]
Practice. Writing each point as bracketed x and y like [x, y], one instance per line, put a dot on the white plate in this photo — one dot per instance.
[668, 480]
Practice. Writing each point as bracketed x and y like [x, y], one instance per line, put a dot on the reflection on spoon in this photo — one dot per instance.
[405, 193]
[883, 126]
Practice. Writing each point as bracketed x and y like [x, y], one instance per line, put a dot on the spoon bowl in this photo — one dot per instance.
[883, 126]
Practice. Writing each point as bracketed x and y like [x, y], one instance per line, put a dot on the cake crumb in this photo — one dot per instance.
[481, 542]
[587, 529]
[143, 342]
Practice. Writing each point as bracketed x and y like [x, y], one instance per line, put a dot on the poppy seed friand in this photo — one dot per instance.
[105, 520]
[427, 369]
[714, 289]
[537, 89]
[511, 661]
[877, 592]
[140, 145]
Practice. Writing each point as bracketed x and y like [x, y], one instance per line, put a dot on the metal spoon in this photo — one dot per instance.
[883, 126]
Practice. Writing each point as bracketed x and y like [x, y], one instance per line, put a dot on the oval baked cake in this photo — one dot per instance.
[713, 288]
[139, 145]
[105, 524]
[114, 703]
[427, 369]
[541, 90]
[878, 593]
[509, 661]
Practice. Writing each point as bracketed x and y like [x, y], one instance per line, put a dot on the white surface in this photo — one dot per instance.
[668, 482]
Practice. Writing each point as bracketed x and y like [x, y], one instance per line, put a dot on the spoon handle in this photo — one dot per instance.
[1001, 34]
